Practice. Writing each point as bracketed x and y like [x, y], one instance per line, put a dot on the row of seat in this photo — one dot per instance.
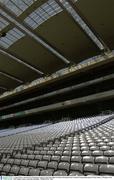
[82, 147]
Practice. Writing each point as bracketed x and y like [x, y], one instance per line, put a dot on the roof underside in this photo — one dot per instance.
[40, 37]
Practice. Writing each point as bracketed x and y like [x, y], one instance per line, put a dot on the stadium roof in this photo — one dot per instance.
[40, 37]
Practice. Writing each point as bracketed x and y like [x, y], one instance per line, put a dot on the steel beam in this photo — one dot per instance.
[28, 31]
[74, 13]
[11, 77]
[10, 55]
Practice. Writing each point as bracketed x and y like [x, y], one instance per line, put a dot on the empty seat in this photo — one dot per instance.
[42, 164]
[15, 169]
[10, 161]
[75, 174]
[55, 158]
[92, 168]
[17, 161]
[111, 160]
[34, 172]
[47, 172]
[33, 163]
[65, 158]
[97, 153]
[53, 165]
[38, 157]
[106, 169]
[88, 159]
[76, 153]
[64, 166]
[6, 168]
[31, 157]
[60, 173]
[101, 159]
[109, 153]
[76, 159]
[24, 162]
[76, 167]
[24, 171]
[46, 157]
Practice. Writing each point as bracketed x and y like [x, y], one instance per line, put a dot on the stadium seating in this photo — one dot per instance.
[81, 147]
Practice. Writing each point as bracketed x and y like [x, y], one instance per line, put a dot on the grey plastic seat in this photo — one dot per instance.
[33, 163]
[56, 158]
[66, 153]
[36, 152]
[111, 160]
[64, 166]
[10, 161]
[4, 160]
[105, 148]
[76, 167]
[65, 158]
[76, 148]
[86, 153]
[91, 168]
[50, 152]
[43, 152]
[6, 168]
[31, 157]
[42, 164]
[58, 153]
[84, 148]
[97, 153]
[24, 171]
[52, 165]
[24, 162]
[60, 173]
[1, 167]
[101, 159]
[106, 169]
[34, 172]
[47, 172]
[76, 159]
[38, 157]
[109, 153]
[88, 159]
[110, 143]
[17, 161]
[76, 153]
[15, 169]
[75, 174]
[94, 148]
[24, 156]
[18, 156]
[46, 157]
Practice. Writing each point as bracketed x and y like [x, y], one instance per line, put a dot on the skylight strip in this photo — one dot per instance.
[3, 44]
[20, 4]
[17, 6]
[28, 2]
[3, 23]
[82, 24]
[13, 8]
[11, 37]
[34, 36]
[31, 22]
[43, 13]
[6, 40]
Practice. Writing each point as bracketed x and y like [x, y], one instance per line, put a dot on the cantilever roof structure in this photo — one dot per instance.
[40, 37]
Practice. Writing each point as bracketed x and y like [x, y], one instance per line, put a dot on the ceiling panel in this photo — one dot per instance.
[20, 71]
[36, 55]
[63, 33]
[7, 82]
[100, 14]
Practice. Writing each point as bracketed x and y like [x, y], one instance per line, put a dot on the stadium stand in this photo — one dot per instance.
[56, 88]
[73, 148]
